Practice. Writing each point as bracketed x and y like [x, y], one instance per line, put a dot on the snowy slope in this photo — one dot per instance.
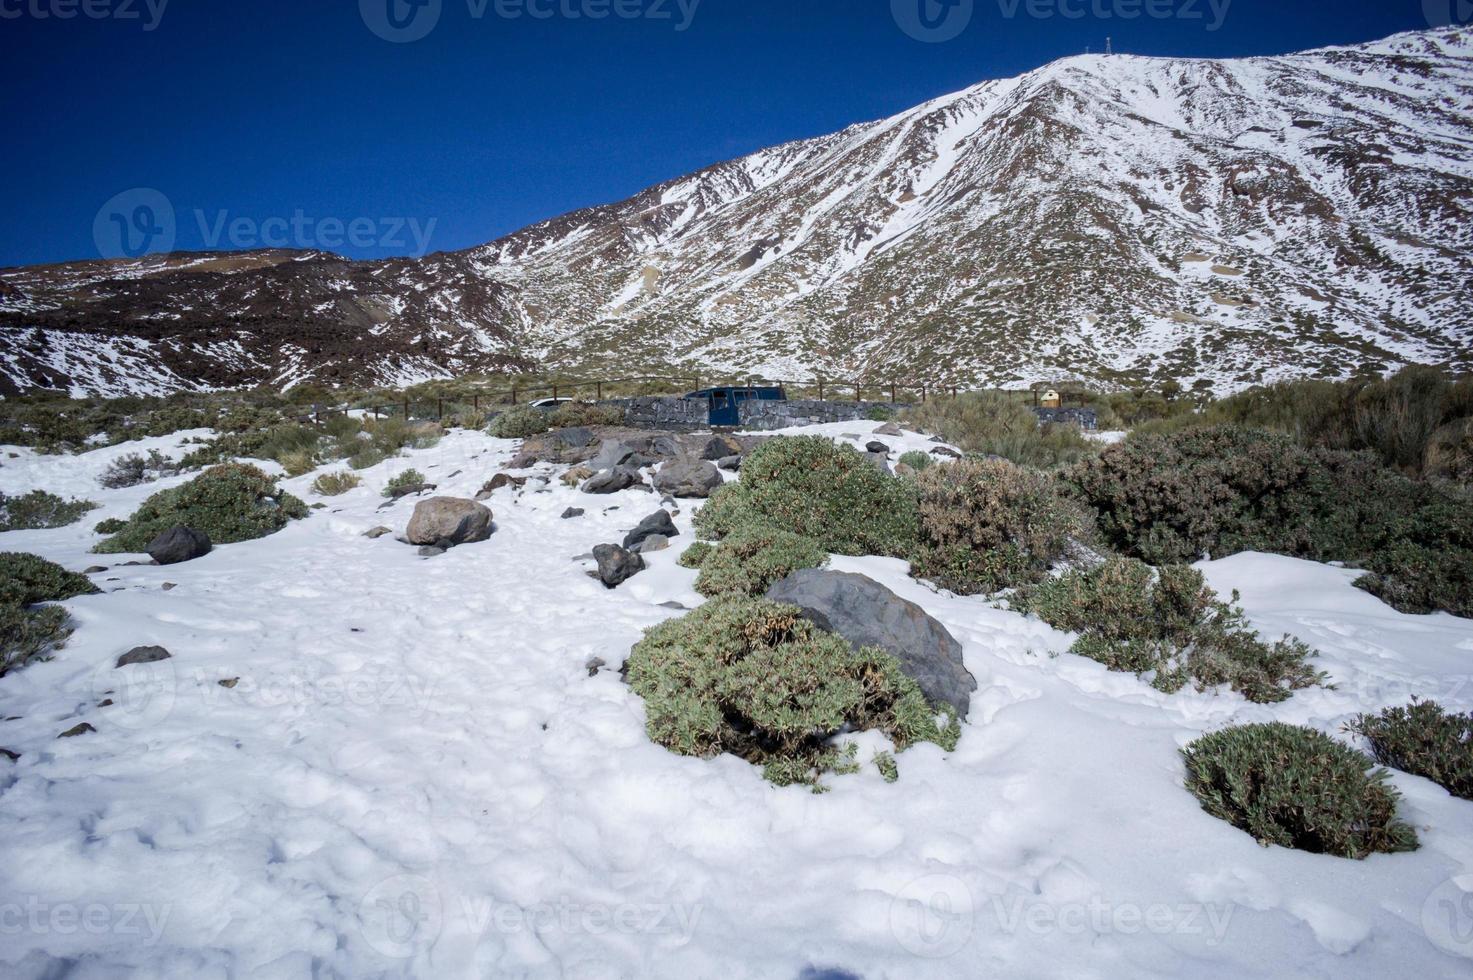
[1116, 218]
[416, 775]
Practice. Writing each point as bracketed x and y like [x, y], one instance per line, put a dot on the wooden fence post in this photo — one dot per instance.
[476, 402]
[440, 410]
[513, 394]
[598, 391]
[892, 393]
[406, 409]
[820, 389]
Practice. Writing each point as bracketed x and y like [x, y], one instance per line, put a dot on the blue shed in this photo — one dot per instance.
[724, 404]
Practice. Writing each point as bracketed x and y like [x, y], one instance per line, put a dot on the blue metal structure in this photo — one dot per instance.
[725, 403]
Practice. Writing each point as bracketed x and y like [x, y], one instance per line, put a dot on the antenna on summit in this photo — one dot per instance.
[1108, 48]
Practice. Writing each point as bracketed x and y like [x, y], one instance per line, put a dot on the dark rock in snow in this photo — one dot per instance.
[720, 447]
[572, 512]
[688, 478]
[730, 463]
[653, 543]
[451, 519]
[94, 570]
[947, 452]
[73, 732]
[657, 523]
[613, 480]
[377, 532]
[866, 613]
[877, 446]
[594, 665]
[143, 655]
[179, 544]
[888, 429]
[497, 482]
[616, 565]
[12, 756]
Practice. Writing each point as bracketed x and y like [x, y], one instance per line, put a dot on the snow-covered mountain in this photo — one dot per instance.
[1107, 217]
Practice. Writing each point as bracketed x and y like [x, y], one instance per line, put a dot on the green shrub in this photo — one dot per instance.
[695, 556]
[1450, 453]
[1424, 740]
[39, 510]
[1170, 624]
[519, 423]
[367, 454]
[879, 413]
[814, 488]
[993, 423]
[987, 525]
[110, 526]
[570, 414]
[1296, 787]
[753, 678]
[134, 468]
[27, 579]
[917, 460]
[400, 481]
[335, 484]
[298, 463]
[28, 635]
[231, 502]
[1223, 490]
[749, 560]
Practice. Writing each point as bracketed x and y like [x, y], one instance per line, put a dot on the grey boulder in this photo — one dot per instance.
[143, 655]
[657, 523]
[688, 478]
[720, 447]
[729, 463]
[653, 543]
[866, 613]
[179, 544]
[613, 480]
[453, 519]
[616, 565]
[612, 454]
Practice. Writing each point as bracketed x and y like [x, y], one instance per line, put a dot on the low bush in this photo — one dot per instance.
[134, 468]
[1226, 489]
[917, 460]
[367, 454]
[401, 481]
[519, 423]
[570, 414]
[753, 678]
[110, 526]
[996, 424]
[747, 561]
[987, 525]
[298, 463]
[231, 502]
[1133, 618]
[816, 489]
[26, 633]
[1450, 453]
[1296, 787]
[695, 556]
[335, 484]
[1424, 740]
[28, 579]
[39, 510]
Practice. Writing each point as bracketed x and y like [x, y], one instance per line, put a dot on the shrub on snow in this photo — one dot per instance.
[1133, 618]
[995, 424]
[519, 423]
[749, 560]
[1424, 740]
[29, 632]
[987, 525]
[39, 510]
[229, 503]
[335, 484]
[754, 678]
[1296, 787]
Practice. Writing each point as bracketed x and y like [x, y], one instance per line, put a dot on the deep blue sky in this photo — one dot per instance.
[257, 109]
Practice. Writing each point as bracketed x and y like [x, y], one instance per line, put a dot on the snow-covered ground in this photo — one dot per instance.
[416, 775]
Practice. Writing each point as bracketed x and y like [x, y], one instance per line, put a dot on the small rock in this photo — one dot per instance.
[81, 729]
[170, 586]
[730, 463]
[179, 544]
[904, 469]
[576, 475]
[319, 506]
[143, 655]
[613, 480]
[451, 519]
[672, 604]
[497, 482]
[876, 446]
[95, 570]
[229, 683]
[947, 452]
[377, 532]
[594, 665]
[413, 488]
[616, 565]
[653, 543]
[572, 512]
[576, 437]
[12, 756]
[105, 703]
[721, 447]
[888, 429]
[880, 461]
[657, 523]
[431, 551]
[687, 477]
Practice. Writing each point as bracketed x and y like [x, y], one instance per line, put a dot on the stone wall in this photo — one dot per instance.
[765, 416]
[1085, 418]
[663, 412]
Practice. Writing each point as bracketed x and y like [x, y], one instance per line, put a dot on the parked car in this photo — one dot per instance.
[550, 403]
